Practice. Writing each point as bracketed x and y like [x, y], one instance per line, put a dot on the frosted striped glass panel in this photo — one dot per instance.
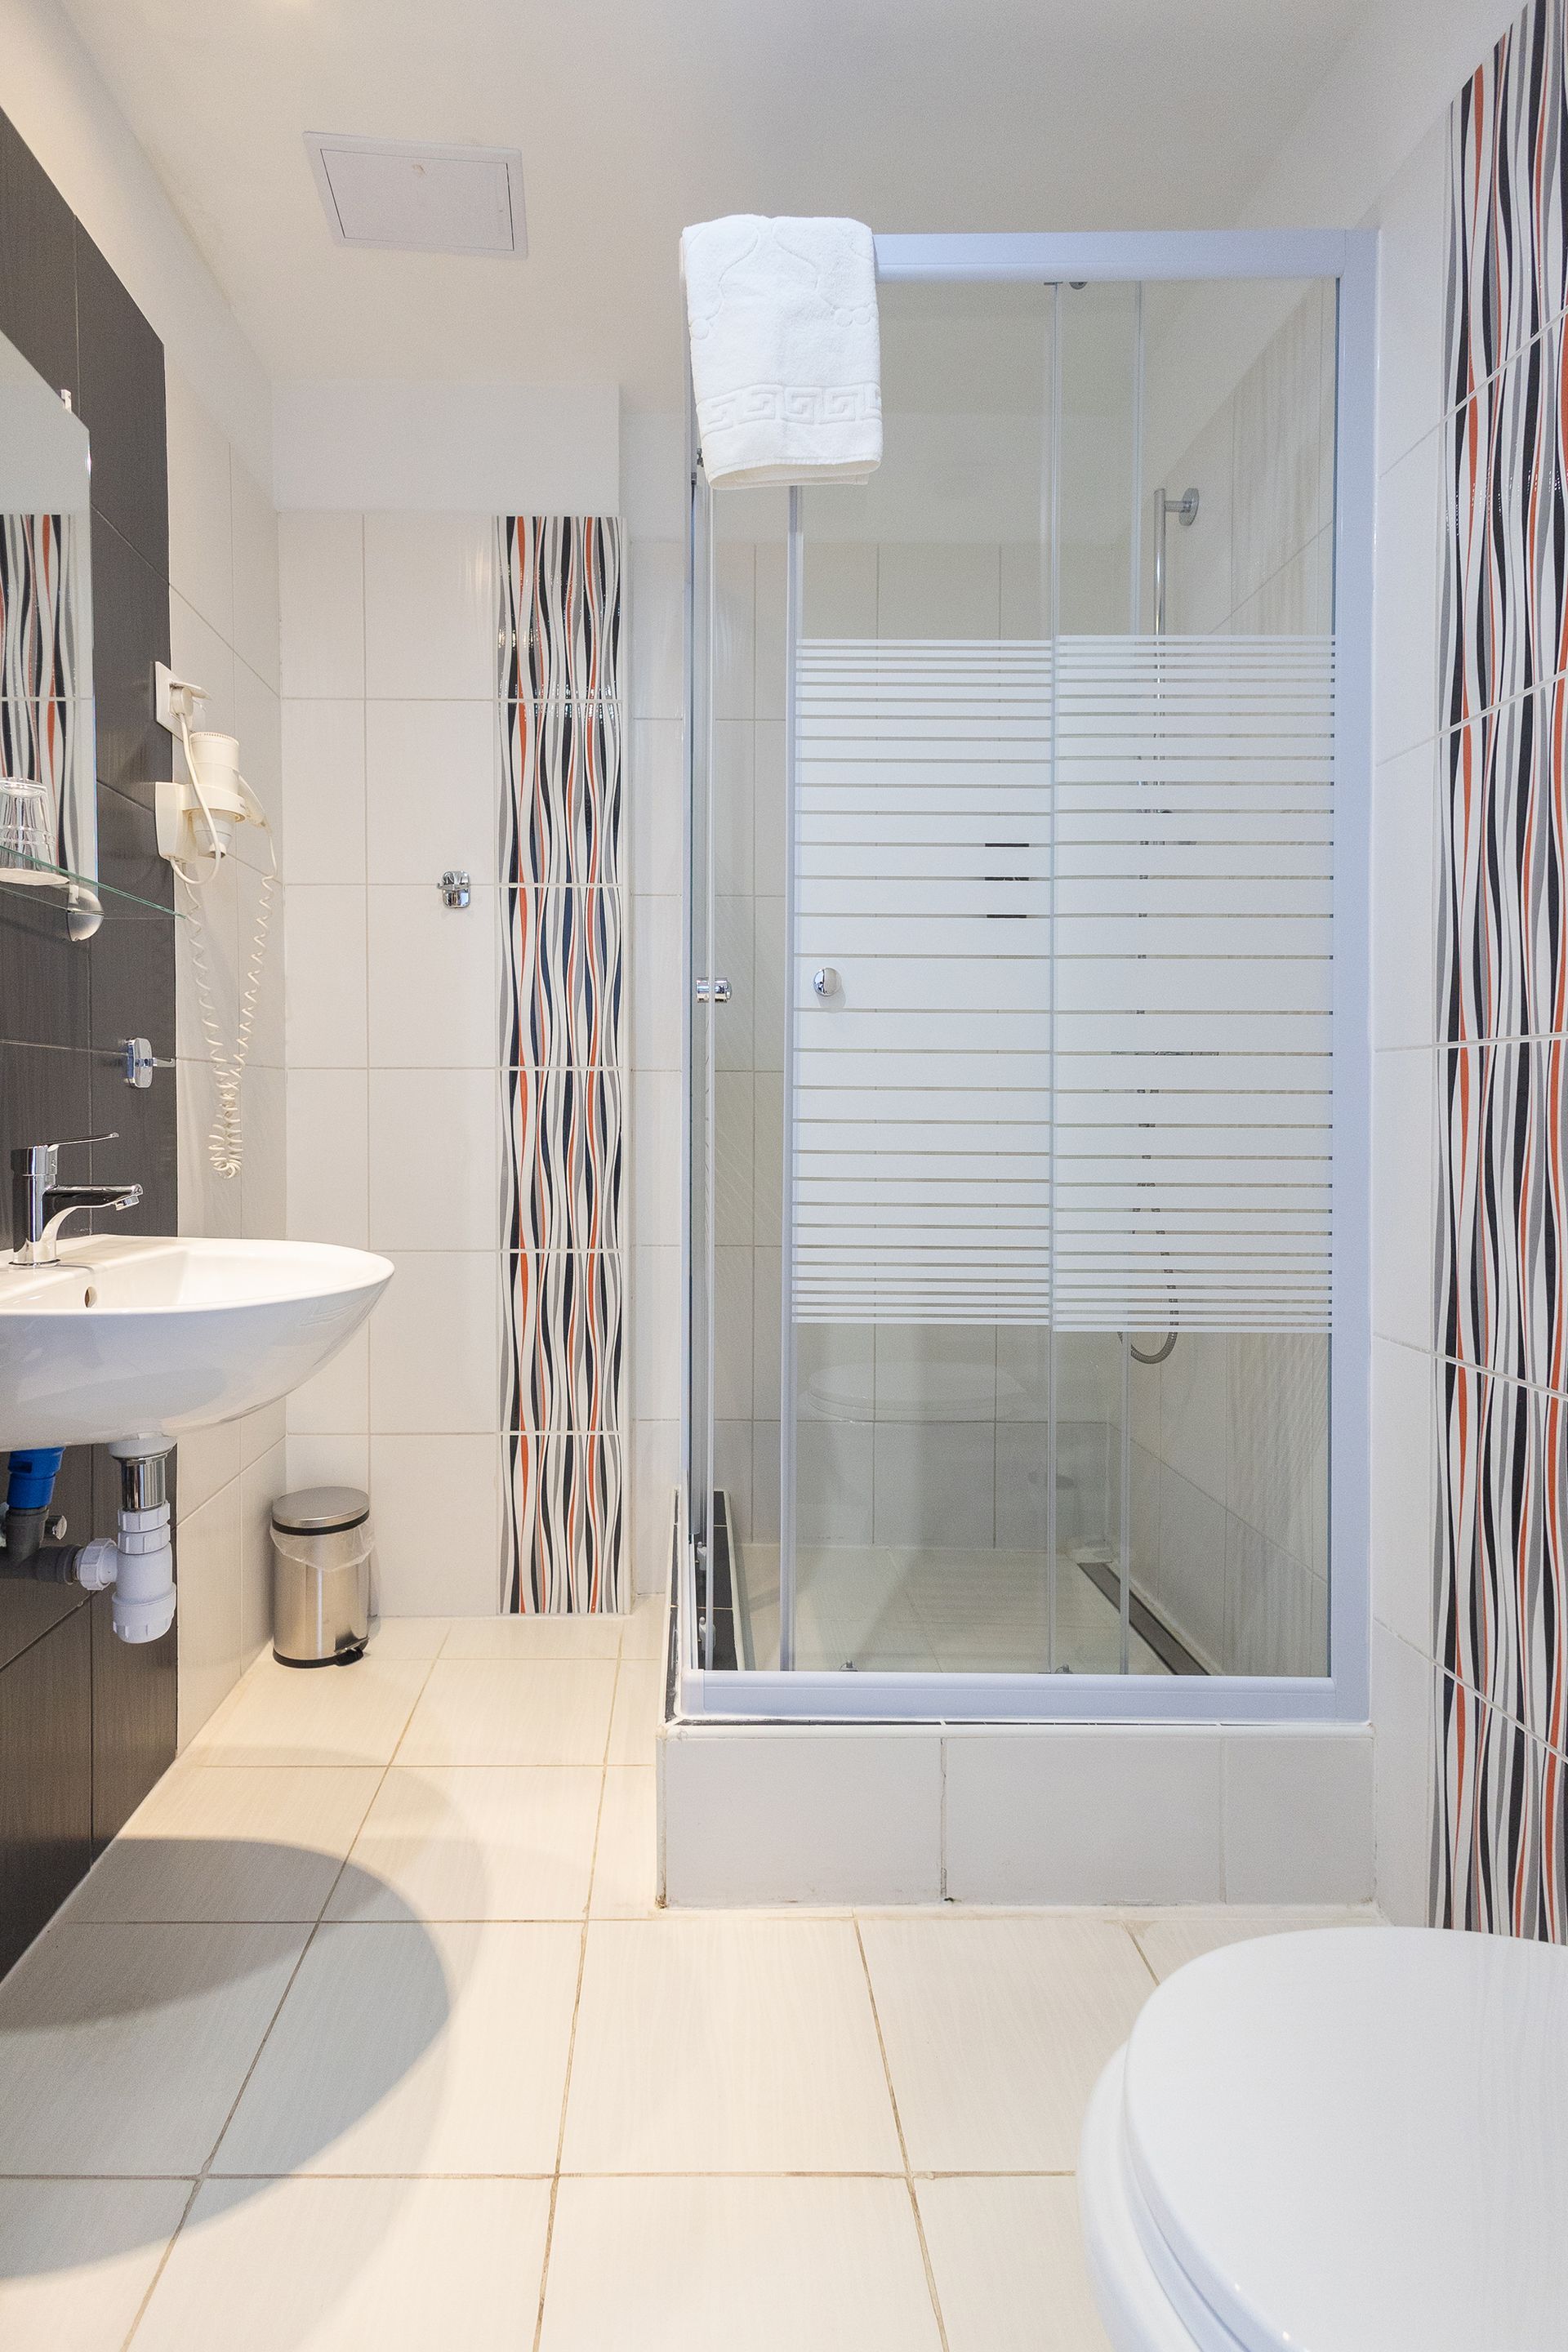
[1078, 1067]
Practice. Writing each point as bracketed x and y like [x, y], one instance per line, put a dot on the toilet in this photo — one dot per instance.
[1345, 2140]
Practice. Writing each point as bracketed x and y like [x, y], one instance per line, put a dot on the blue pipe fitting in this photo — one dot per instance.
[31, 1482]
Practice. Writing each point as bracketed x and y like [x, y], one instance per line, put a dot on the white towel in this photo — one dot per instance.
[786, 356]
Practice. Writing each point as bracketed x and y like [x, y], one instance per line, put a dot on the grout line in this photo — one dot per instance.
[903, 2145]
[996, 2172]
[576, 2006]
[1142, 1955]
[207, 2169]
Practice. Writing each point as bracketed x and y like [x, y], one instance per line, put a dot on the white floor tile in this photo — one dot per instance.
[258, 1844]
[414, 2048]
[1173, 1938]
[626, 1866]
[344, 2265]
[121, 2049]
[342, 1715]
[634, 1727]
[590, 1635]
[996, 2030]
[500, 1711]
[77, 2256]
[1008, 2261]
[497, 1843]
[727, 2044]
[408, 1637]
[716, 2265]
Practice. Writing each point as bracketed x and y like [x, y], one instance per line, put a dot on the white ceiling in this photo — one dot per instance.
[635, 116]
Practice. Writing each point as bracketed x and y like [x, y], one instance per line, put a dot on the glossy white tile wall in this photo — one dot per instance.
[1412, 218]
[1015, 1815]
[223, 634]
[392, 776]
[655, 821]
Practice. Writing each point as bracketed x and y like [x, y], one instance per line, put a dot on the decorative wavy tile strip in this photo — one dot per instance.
[569, 1342]
[1503, 954]
[1502, 1312]
[566, 757]
[1498, 1859]
[1508, 265]
[561, 608]
[567, 1508]
[564, 1003]
[560, 746]
[565, 1162]
[1504, 609]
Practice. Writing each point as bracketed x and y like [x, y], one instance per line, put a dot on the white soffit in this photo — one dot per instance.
[405, 196]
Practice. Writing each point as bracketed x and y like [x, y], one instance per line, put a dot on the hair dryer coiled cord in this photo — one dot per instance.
[226, 1142]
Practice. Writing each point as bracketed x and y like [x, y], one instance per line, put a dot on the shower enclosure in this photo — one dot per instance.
[1027, 1332]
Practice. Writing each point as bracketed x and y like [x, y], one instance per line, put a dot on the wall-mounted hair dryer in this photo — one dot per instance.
[197, 817]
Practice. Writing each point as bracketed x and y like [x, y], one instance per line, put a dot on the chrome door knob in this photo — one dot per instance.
[826, 982]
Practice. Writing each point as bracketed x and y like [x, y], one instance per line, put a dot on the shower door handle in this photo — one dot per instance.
[716, 991]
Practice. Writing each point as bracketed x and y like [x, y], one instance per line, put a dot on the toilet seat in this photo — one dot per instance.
[1345, 2140]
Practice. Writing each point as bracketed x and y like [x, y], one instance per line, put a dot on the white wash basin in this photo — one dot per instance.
[149, 1338]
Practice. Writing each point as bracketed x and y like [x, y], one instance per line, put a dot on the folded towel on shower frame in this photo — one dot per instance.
[786, 355]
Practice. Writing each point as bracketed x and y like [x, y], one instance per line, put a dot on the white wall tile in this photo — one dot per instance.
[321, 560]
[1404, 834]
[337, 1461]
[434, 1346]
[434, 980]
[1403, 1231]
[657, 968]
[656, 1139]
[656, 1467]
[328, 1156]
[335, 1402]
[323, 791]
[1404, 631]
[840, 588]
[208, 1615]
[1403, 1489]
[787, 1816]
[654, 1272]
[1413, 217]
[260, 1486]
[258, 722]
[430, 606]
[201, 544]
[1074, 1814]
[1403, 1683]
[1299, 1816]
[324, 995]
[202, 657]
[257, 597]
[263, 1206]
[946, 590]
[260, 1431]
[655, 684]
[206, 1459]
[437, 1506]
[655, 805]
[210, 1204]
[432, 791]
[434, 1159]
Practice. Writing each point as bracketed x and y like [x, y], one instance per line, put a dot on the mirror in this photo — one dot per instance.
[48, 800]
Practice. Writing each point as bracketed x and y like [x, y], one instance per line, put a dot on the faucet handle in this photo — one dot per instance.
[38, 1159]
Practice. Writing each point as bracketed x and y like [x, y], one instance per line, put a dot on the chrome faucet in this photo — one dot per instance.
[40, 1203]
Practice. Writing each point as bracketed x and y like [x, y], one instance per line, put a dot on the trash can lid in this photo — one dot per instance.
[321, 1510]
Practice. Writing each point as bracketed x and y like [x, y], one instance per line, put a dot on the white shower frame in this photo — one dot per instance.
[804, 1695]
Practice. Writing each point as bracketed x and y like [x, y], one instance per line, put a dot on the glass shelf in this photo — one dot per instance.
[56, 887]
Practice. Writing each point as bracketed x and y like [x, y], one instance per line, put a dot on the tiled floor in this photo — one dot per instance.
[367, 2034]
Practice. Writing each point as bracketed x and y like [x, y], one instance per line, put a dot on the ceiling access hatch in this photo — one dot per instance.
[406, 197]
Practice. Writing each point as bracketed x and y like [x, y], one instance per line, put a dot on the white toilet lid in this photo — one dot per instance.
[1356, 2140]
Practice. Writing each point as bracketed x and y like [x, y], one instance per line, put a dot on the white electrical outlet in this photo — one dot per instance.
[166, 687]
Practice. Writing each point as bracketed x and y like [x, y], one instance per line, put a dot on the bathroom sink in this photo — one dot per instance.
[146, 1336]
